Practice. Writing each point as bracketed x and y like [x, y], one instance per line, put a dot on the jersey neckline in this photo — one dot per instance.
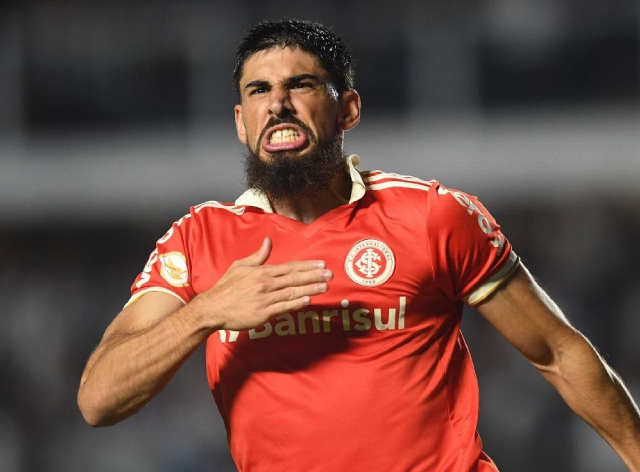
[257, 200]
[307, 230]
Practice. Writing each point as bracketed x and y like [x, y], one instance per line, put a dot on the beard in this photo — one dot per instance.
[289, 176]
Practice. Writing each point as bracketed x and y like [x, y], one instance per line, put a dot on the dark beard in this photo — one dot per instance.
[290, 176]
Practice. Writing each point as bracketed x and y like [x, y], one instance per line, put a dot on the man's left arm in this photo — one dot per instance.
[527, 317]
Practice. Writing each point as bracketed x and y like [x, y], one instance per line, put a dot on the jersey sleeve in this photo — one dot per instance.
[470, 256]
[168, 268]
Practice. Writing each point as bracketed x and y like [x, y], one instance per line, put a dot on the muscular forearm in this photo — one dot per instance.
[148, 341]
[129, 369]
[596, 393]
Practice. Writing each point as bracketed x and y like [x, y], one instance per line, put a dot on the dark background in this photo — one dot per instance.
[116, 116]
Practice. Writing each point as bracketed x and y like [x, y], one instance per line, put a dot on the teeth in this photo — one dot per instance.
[286, 135]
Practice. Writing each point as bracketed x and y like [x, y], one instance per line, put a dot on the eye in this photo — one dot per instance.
[258, 90]
[301, 85]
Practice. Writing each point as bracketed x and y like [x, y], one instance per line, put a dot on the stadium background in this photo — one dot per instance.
[116, 116]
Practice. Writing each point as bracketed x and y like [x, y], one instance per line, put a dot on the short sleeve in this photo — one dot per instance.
[168, 268]
[470, 255]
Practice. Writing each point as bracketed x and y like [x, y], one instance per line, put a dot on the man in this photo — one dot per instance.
[336, 344]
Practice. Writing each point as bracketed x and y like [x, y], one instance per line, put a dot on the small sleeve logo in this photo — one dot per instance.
[174, 269]
[370, 263]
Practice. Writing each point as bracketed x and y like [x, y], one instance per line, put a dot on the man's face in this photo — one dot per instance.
[289, 106]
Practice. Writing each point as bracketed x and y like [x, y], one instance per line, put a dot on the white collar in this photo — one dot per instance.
[256, 198]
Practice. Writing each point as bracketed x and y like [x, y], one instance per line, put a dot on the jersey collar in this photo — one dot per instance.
[256, 198]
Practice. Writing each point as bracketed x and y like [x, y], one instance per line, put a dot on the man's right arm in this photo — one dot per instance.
[139, 353]
[149, 340]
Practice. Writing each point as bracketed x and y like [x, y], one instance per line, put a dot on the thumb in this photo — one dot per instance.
[261, 255]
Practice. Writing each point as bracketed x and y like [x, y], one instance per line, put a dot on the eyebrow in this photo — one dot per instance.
[301, 77]
[290, 80]
[257, 83]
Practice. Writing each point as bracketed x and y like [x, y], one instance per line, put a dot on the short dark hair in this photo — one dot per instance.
[314, 38]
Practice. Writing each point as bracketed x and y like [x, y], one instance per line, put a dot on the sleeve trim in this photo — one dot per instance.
[134, 298]
[491, 285]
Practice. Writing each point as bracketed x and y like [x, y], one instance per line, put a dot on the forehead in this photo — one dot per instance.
[279, 63]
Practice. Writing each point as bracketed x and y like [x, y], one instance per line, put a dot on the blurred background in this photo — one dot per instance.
[116, 116]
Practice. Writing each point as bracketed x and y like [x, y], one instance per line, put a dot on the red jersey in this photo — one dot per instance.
[374, 375]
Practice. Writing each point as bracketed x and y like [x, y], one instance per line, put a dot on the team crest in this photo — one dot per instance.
[173, 268]
[370, 262]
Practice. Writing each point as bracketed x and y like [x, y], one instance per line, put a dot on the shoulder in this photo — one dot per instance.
[440, 201]
[213, 210]
[439, 198]
[213, 207]
[202, 215]
[460, 222]
[377, 181]
[457, 207]
[398, 194]
[430, 197]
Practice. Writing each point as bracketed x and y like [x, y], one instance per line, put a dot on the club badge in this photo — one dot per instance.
[370, 263]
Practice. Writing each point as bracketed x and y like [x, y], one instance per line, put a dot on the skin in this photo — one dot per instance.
[527, 317]
[148, 341]
[286, 82]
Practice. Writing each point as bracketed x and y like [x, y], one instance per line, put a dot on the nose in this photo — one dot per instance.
[280, 102]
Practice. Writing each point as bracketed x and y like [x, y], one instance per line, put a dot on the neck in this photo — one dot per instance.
[309, 208]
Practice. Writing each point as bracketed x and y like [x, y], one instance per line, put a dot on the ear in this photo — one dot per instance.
[240, 129]
[349, 110]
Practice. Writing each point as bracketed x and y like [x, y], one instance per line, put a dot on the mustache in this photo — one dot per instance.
[289, 119]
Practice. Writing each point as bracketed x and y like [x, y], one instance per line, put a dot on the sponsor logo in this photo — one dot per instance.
[341, 319]
[370, 263]
[173, 268]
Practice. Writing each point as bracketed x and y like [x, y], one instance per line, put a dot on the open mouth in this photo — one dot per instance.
[284, 137]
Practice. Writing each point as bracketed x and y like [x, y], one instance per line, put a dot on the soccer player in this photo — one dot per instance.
[330, 299]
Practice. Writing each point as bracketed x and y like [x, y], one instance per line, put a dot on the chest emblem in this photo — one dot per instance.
[370, 263]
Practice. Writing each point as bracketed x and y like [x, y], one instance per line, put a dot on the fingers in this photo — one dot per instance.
[289, 294]
[259, 257]
[300, 278]
[294, 266]
[280, 287]
[294, 297]
[291, 299]
[290, 306]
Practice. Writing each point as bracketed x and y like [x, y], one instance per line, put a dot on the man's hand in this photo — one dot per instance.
[148, 341]
[250, 292]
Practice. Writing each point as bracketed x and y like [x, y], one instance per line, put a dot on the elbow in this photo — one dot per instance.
[544, 359]
[559, 362]
[93, 413]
